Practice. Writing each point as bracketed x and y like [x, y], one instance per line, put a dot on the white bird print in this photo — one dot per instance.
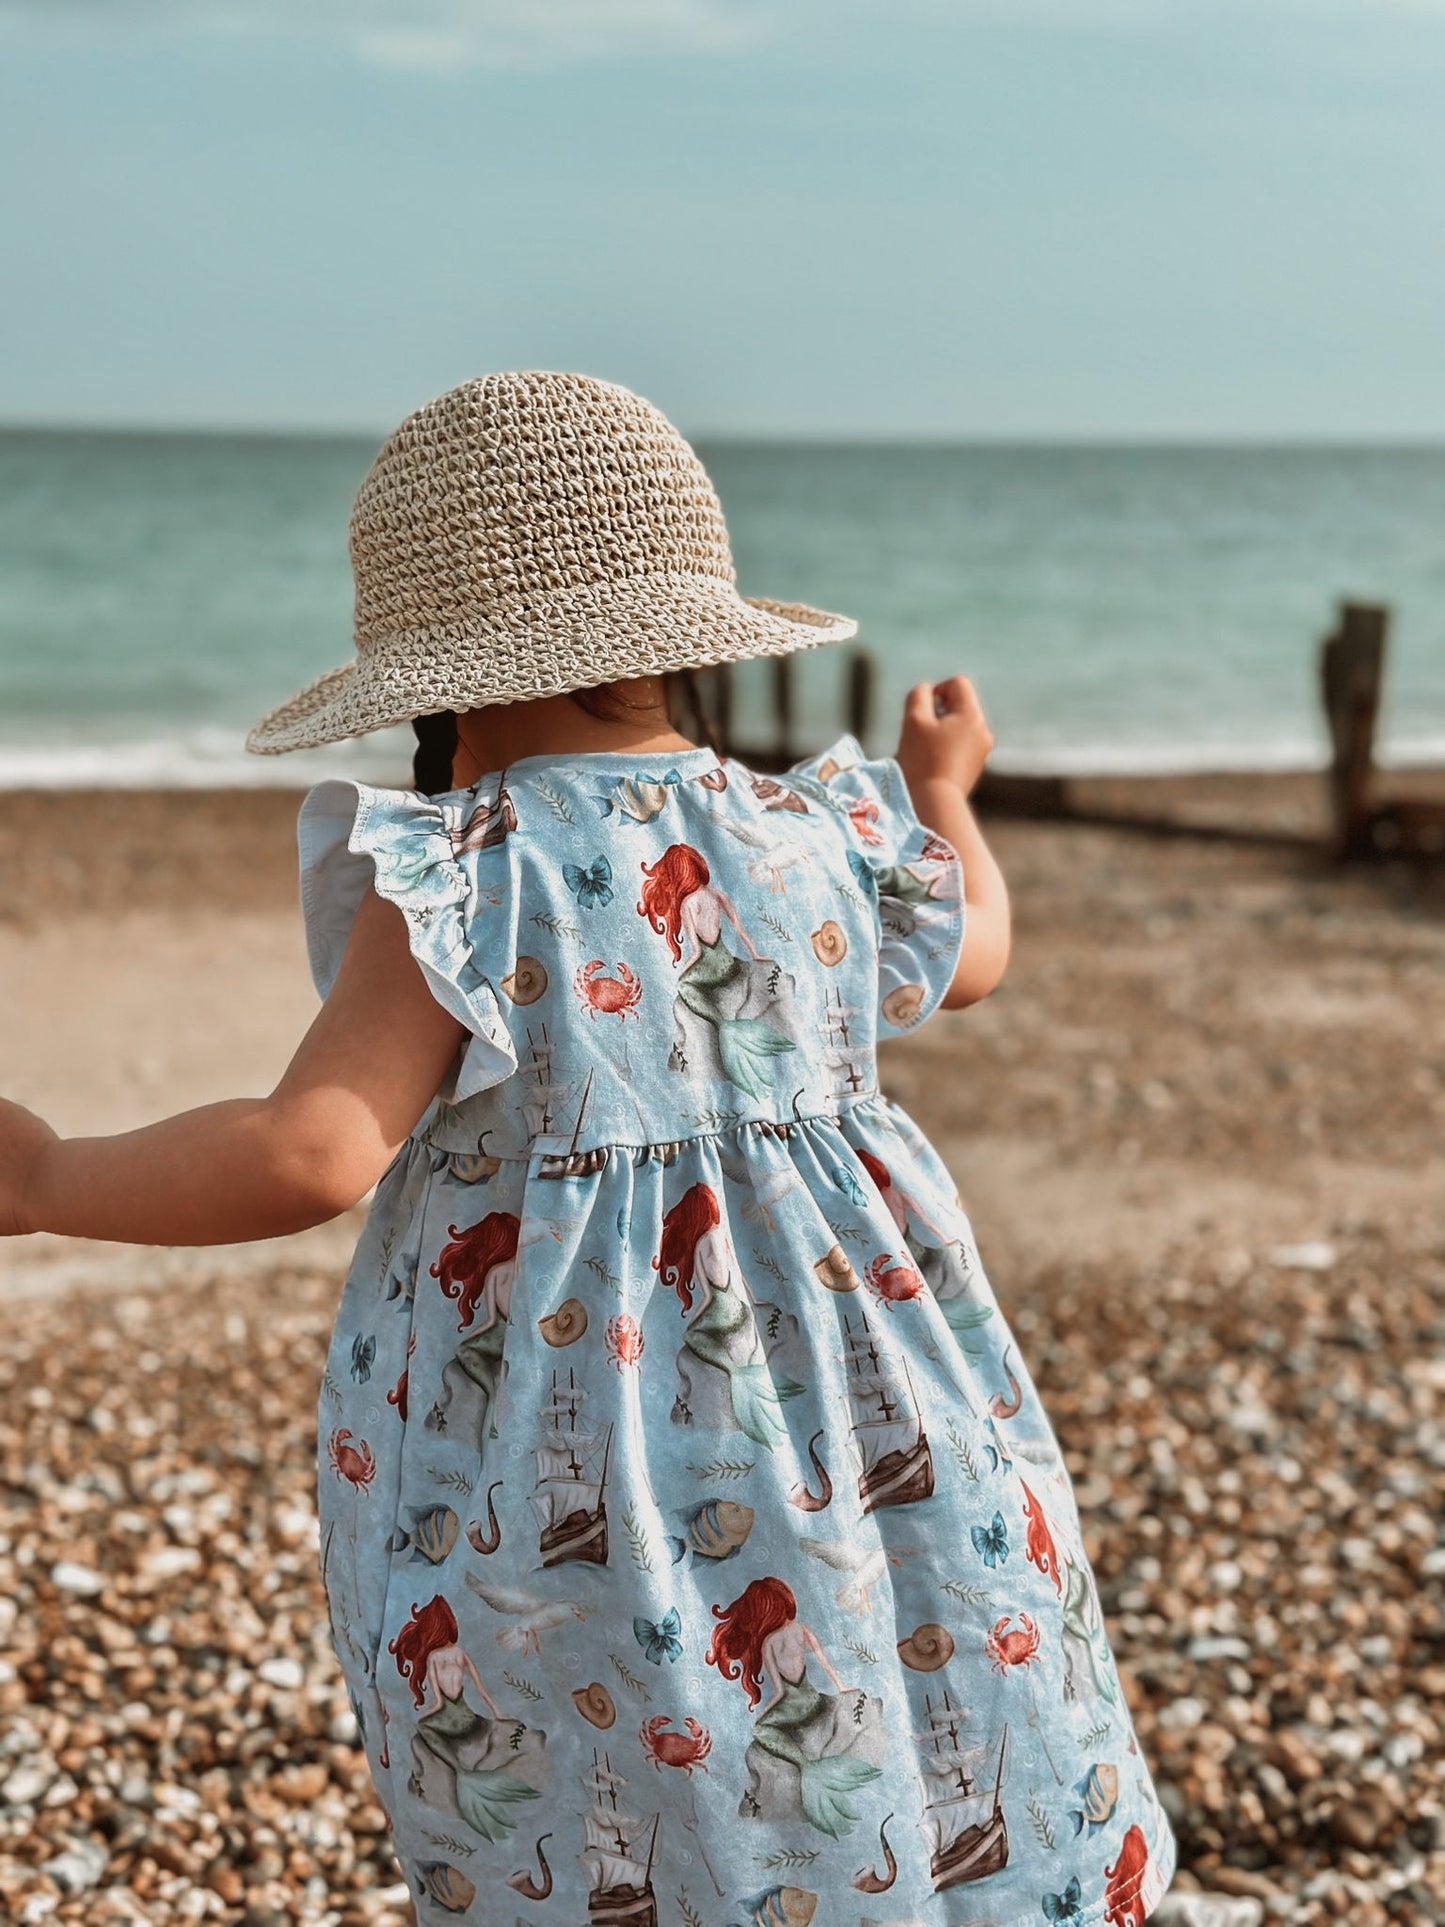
[769, 869]
[538, 1616]
[866, 1565]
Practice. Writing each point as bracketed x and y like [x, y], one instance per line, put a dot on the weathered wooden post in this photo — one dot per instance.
[860, 694]
[784, 709]
[1352, 667]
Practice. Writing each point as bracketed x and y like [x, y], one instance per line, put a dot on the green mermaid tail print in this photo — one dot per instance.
[482, 1768]
[715, 984]
[722, 1333]
[809, 1750]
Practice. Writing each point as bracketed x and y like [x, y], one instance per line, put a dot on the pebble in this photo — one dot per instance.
[81, 1866]
[69, 1577]
[1206, 1910]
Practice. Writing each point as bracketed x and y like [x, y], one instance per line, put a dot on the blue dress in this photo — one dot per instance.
[695, 1546]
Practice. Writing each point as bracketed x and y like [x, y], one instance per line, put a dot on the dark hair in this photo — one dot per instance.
[436, 736]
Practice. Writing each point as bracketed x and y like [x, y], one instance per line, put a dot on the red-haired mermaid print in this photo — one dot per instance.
[723, 1000]
[479, 1769]
[810, 1750]
[942, 1257]
[723, 1365]
[477, 1269]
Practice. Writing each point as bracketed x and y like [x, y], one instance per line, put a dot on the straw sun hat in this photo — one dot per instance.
[523, 535]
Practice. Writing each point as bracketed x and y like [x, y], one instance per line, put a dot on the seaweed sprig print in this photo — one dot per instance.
[454, 1480]
[639, 1539]
[1096, 1735]
[331, 1389]
[715, 1120]
[522, 1686]
[723, 1469]
[555, 800]
[688, 1914]
[861, 1652]
[966, 1595]
[765, 1261]
[554, 926]
[630, 1680]
[784, 1858]
[601, 1269]
[962, 1452]
[775, 924]
[448, 1842]
[1041, 1824]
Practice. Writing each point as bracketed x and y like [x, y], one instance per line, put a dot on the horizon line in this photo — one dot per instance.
[1161, 440]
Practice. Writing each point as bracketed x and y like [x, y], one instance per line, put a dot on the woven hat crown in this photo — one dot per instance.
[516, 488]
[528, 534]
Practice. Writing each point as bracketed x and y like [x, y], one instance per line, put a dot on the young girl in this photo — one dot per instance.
[695, 1546]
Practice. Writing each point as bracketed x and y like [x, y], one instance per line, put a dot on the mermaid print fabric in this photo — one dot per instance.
[695, 1546]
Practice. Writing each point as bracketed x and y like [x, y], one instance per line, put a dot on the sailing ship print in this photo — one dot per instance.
[570, 1496]
[895, 1457]
[963, 1822]
[617, 1854]
[545, 1099]
[846, 1053]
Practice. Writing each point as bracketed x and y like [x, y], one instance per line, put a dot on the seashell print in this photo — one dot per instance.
[835, 1270]
[902, 1005]
[830, 946]
[927, 1648]
[448, 1886]
[565, 1325]
[527, 982]
[595, 1704]
[470, 1166]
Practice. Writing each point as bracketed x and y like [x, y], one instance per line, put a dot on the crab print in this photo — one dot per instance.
[624, 1340]
[687, 1750]
[608, 996]
[892, 1283]
[1018, 1647]
[354, 1463]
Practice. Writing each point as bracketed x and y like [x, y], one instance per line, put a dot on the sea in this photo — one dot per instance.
[1120, 609]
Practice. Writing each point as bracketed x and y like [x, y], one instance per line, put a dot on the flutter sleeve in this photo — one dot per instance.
[912, 876]
[354, 838]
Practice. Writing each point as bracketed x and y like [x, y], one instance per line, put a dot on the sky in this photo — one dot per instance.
[988, 219]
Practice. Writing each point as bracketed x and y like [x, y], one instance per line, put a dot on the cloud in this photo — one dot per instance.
[436, 36]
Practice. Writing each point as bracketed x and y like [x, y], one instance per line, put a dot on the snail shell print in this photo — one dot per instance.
[527, 982]
[830, 946]
[927, 1648]
[835, 1270]
[565, 1325]
[595, 1704]
[902, 1005]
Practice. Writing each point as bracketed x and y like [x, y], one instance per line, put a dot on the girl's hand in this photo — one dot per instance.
[23, 1139]
[945, 736]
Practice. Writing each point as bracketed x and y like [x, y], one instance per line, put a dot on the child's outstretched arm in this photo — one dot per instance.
[943, 747]
[255, 1167]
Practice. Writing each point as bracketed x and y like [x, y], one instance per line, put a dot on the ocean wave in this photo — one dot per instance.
[215, 758]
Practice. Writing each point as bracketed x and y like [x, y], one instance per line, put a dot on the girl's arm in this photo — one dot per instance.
[942, 750]
[255, 1167]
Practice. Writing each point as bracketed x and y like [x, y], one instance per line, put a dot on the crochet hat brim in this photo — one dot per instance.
[613, 632]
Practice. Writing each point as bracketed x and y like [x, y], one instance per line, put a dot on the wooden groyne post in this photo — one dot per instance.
[1352, 672]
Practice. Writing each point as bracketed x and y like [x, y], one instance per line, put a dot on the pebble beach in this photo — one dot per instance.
[1197, 1132]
